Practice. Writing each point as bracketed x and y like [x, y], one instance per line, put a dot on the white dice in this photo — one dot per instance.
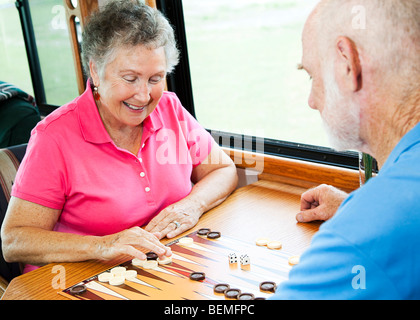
[232, 258]
[244, 259]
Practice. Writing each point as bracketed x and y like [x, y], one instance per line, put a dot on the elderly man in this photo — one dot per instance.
[364, 60]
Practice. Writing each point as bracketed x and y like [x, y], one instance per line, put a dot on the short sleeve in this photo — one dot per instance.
[41, 175]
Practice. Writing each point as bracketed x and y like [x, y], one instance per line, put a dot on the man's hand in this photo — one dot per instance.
[320, 203]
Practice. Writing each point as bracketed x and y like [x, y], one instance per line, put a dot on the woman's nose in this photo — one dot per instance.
[142, 93]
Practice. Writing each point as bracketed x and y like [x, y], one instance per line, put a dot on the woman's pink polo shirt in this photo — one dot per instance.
[71, 164]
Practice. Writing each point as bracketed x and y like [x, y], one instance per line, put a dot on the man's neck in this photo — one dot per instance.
[388, 128]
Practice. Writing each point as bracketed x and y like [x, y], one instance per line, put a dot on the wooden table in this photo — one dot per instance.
[264, 208]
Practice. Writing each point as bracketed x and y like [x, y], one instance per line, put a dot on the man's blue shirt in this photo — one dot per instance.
[370, 249]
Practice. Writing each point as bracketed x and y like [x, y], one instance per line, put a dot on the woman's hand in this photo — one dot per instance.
[28, 237]
[214, 179]
[132, 242]
[164, 223]
[320, 203]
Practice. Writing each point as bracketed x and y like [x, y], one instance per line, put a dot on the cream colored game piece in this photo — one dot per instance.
[118, 271]
[137, 262]
[105, 276]
[130, 274]
[294, 260]
[275, 245]
[165, 260]
[186, 241]
[117, 280]
[150, 264]
[262, 241]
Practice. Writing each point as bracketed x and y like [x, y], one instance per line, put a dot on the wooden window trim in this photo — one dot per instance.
[299, 173]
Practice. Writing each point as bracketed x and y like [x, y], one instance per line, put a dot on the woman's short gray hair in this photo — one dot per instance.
[125, 23]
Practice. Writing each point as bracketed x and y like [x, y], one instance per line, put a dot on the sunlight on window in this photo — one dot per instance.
[243, 56]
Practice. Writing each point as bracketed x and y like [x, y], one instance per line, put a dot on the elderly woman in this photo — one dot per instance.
[123, 155]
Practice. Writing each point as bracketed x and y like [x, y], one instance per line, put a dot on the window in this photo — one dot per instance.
[54, 51]
[238, 75]
[13, 63]
[243, 56]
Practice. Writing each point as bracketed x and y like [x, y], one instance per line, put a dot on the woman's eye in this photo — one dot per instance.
[129, 79]
[155, 80]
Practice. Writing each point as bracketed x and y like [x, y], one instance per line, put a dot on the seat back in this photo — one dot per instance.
[10, 159]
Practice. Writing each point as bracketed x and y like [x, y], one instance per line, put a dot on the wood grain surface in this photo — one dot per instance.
[264, 208]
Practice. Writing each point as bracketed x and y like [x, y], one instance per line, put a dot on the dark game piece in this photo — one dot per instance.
[221, 287]
[269, 286]
[246, 296]
[151, 256]
[232, 293]
[213, 235]
[203, 231]
[197, 276]
[78, 289]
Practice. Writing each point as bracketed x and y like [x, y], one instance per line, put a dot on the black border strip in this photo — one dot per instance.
[317, 154]
[31, 50]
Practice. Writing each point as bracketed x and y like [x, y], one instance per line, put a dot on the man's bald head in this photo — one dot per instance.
[385, 32]
[363, 56]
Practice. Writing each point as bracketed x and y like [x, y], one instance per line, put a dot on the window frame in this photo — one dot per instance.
[180, 83]
[29, 38]
[32, 55]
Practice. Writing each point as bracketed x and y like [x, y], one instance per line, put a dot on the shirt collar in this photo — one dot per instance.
[92, 127]
[152, 123]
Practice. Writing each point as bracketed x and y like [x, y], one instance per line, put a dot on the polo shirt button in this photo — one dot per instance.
[140, 159]
[142, 174]
[147, 189]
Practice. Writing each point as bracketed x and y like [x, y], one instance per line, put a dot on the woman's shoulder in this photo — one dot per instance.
[62, 117]
[170, 98]
[169, 107]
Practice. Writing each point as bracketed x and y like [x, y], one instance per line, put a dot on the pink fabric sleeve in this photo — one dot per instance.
[41, 175]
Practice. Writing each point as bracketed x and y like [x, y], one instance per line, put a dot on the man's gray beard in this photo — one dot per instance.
[341, 118]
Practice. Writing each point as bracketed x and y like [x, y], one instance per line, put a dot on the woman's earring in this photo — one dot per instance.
[96, 94]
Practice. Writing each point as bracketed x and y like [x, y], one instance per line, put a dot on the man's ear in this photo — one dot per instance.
[94, 73]
[348, 68]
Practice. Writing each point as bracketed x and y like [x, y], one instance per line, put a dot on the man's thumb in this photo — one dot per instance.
[308, 215]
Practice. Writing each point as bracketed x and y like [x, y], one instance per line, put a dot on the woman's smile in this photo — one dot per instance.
[131, 87]
[134, 107]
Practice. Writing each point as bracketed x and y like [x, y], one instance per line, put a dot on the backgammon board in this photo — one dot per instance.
[210, 256]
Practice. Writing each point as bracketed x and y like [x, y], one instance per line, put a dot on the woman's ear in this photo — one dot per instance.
[94, 73]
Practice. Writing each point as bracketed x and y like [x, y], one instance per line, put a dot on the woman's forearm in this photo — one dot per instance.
[214, 188]
[28, 237]
[38, 247]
